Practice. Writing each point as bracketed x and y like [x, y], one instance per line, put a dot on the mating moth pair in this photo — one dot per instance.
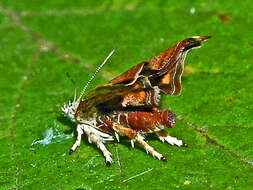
[128, 105]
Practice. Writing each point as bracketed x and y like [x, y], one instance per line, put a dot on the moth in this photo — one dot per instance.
[128, 105]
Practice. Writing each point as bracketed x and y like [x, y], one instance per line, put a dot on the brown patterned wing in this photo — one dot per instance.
[141, 85]
[168, 78]
[108, 98]
[163, 70]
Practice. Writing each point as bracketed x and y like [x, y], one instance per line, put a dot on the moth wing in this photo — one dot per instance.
[168, 78]
[121, 96]
[141, 85]
[140, 92]
[102, 94]
[163, 72]
[130, 76]
[165, 69]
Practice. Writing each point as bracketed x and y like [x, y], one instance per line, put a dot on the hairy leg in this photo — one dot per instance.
[140, 139]
[78, 139]
[150, 149]
[93, 136]
[163, 136]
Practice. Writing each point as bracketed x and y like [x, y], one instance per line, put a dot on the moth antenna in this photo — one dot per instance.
[92, 77]
[74, 84]
[70, 78]
[75, 95]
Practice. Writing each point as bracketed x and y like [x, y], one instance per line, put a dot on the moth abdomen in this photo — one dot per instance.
[151, 121]
[141, 121]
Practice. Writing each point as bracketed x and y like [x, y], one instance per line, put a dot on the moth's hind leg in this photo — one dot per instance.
[149, 149]
[133, 135]
[78, 139]
[163, 136]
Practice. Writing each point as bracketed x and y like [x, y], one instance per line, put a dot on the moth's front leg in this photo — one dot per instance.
[78, 138]
[95, 136]
[106, 153]
[163, 136]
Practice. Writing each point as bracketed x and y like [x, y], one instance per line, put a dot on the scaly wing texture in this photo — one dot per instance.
[163, 70]
[141, 85]
[117, 97]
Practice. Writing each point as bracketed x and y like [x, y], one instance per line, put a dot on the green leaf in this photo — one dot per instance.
[43, 40]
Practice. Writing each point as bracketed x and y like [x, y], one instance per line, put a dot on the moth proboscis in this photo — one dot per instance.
[128, 105]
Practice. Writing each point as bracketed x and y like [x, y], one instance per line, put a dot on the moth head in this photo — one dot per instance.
[194, 42]
[69, 110]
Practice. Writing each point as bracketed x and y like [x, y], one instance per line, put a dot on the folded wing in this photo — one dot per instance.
[141, 85]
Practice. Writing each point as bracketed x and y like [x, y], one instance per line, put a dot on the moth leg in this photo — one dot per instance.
[106, 153]
[163, 136]
[150, 149]
[134, 136]
[78, 139]
[93, 137]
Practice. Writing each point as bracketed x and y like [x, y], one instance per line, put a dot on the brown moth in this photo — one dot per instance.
[128, 105]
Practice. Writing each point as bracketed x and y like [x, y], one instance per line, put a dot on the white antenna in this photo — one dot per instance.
[92, 77]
